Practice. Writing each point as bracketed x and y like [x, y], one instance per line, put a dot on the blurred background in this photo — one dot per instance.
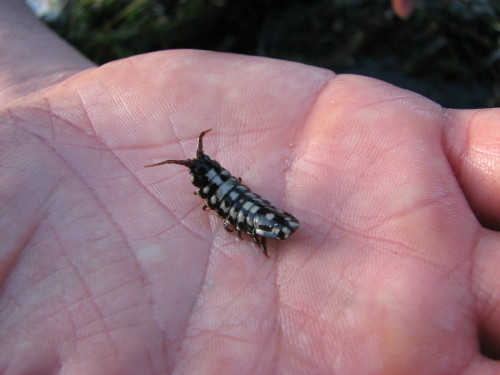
[447, 50]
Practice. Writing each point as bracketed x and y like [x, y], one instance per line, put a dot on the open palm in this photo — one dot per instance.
[110, 268]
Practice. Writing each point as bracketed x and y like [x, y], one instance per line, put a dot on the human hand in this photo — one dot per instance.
[108, 267]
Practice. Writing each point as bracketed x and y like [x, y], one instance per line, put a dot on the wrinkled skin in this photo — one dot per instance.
[110, 268]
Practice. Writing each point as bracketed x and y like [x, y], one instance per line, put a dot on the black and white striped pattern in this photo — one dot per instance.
[234, 202]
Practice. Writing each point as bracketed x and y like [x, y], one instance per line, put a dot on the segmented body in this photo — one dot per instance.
[234, 202]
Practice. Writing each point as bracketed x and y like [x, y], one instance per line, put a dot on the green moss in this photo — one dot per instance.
[455, 43]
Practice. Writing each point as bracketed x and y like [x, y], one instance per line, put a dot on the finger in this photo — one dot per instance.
[472, 143]
[403, 8]
[32, 57]
[480, 366]
[486, 285]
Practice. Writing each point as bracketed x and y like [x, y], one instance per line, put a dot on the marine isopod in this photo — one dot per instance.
[234, 202]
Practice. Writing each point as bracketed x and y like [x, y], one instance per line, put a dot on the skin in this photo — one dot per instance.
[110, 268]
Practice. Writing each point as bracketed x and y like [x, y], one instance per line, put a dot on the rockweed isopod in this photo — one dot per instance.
[234, 202]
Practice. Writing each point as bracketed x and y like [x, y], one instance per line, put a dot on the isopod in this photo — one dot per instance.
[234, 202]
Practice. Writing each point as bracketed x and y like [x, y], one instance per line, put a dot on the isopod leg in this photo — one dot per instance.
[228, 226]
[263, 246]
[261, 243]
[205, 207]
